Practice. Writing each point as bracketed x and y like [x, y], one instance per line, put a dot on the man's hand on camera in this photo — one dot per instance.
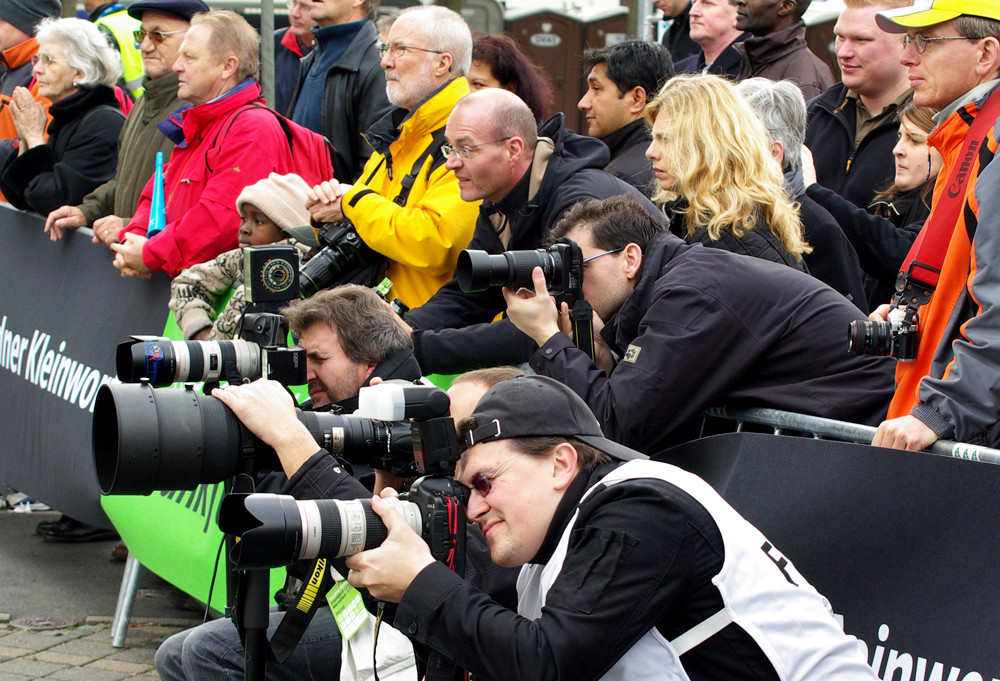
[534, 313]
[388, 570]
[266, 408]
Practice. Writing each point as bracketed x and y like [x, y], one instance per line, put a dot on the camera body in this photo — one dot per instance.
[271, 282]
[896, 337]
[562, 264]
[343, 253]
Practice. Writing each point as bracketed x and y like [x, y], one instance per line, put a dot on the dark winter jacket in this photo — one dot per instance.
[628, 146]
[81, 154]
[759, 242]
[705, 328]
[288, 52]
[784, 55]
[880, 242]
[855, 174]
[833, 260]
[677, 38]
[451, 331]
[353, 100]
[727, 64]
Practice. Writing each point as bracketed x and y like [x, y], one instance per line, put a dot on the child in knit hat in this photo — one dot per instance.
[266, 208]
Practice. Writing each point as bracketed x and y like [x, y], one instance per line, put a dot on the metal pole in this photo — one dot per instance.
[267, 50]
[126, 597]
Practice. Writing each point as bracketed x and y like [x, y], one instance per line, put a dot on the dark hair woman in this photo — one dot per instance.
[497, 62]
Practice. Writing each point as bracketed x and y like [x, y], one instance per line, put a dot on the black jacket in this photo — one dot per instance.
[704, 328]
[677, 38]
[353, 100]
[833, 259]
[758, 242]
[726, 64]
[880, 242]
[856, 174]
[80, 155]
[286, 71]
[451, 331]
[628, 146]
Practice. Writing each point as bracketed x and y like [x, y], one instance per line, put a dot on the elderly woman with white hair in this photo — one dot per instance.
[75, 69]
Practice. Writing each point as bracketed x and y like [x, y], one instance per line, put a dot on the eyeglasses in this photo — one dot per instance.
[397, 50]
[155, 37]
[483, 482]
[303, 6]
[45, 60]
[601, 255]
[465, 153]
[920, 42]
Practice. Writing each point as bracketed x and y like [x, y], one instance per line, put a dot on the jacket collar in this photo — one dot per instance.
[184, 124]
[20, 54]
[423, 119]
[774, 46]
[70, 108]
[160, 90]
[290, 42]
[627, 136]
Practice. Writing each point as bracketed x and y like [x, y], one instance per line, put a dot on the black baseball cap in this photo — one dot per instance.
[532, 406]
[182, 9]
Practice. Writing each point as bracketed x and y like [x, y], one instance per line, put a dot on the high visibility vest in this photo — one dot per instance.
[121, 26]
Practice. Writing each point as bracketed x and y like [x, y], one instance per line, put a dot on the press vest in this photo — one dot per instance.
[796, 631]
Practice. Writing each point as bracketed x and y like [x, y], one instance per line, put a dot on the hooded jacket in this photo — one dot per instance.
[422, 237]
[705, 328]
[206, 173]
[784, 55]
[451, 330]
[138, 143]
[80, 154]
[854, 173]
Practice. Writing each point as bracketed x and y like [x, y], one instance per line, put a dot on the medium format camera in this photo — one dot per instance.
[148, 439]
[562, 264]
[270, 281]
[341, 260]
[896, 337]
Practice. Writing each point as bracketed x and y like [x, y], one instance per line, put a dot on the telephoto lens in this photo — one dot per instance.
[478, 270]
[165, 362]
[276, 530]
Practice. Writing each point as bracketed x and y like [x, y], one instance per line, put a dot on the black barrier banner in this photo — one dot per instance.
[63, 310]
[903, 544]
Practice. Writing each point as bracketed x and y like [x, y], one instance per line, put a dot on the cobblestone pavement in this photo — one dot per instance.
[81, 652]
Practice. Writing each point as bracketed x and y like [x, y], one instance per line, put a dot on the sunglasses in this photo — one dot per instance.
[483, 482]
[155, 37]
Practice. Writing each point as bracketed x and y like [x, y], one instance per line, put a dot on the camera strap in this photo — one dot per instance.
[921, 268]
[297, 618]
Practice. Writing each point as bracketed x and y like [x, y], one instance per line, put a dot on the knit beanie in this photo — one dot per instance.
[282, 198]
[26, 14]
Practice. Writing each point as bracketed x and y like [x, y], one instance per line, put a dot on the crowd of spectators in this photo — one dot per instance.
[733, 219]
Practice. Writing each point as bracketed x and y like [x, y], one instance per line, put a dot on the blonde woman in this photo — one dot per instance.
[717, 179]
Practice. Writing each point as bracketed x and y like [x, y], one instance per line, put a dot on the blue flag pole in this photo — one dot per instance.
[157, 213]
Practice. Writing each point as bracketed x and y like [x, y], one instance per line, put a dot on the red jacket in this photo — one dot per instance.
[204, 177]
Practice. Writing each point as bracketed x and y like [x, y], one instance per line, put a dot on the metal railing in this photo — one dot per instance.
[823, 428]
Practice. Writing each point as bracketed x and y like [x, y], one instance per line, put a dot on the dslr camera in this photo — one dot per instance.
[343, 258]
[276, 530]
[561, 262]
[271, 282]
[147, 439]
[897, 336]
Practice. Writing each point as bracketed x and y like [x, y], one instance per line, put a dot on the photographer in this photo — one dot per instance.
[350, 337]
[627, 557]
[689, 327]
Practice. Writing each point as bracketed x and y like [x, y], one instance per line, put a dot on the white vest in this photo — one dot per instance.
[793, 625]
